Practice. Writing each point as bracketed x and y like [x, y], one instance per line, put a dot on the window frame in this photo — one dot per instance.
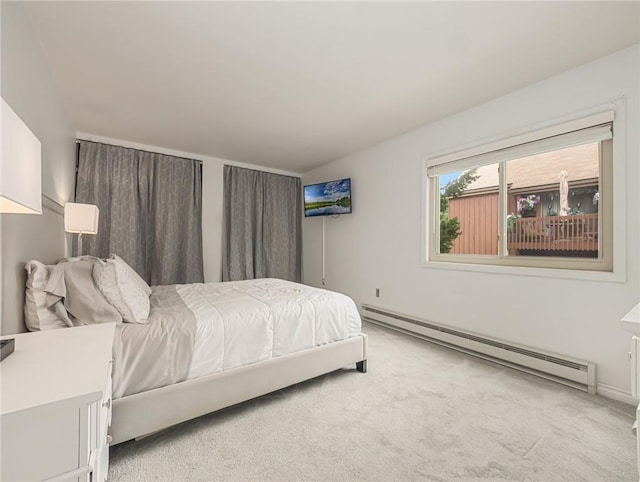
[611, 263]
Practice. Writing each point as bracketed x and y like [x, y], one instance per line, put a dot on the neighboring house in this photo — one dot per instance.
[539, 231]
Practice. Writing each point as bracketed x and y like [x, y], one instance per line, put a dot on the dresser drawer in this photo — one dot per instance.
[99, 459]
[41, 442]
[105, 410]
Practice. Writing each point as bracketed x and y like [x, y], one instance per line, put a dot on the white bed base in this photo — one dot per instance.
[141, 414]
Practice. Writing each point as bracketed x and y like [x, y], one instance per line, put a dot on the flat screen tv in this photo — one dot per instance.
[328, 198]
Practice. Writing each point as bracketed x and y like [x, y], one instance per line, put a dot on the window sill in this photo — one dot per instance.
[574, 274]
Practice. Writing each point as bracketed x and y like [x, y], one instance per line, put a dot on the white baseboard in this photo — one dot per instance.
[616, 394]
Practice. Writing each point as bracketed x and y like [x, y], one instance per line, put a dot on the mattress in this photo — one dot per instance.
[200, 329]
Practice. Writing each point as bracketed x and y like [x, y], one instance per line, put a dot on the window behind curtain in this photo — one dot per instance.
[262, 225]
[150, 210]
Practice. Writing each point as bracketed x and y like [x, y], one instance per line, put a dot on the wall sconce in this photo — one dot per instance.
[81, 219]
[20, 166]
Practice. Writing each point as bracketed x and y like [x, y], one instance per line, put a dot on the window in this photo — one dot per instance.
[543, 199]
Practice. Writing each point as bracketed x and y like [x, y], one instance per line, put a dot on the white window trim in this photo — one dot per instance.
[619, 272]
[600, 130]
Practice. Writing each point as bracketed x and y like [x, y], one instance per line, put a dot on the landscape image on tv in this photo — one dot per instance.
[328, 198]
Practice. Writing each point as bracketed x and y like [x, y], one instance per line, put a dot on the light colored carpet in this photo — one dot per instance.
[423, 412]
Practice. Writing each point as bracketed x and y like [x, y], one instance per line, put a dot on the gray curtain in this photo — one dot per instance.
[150, 210]
[262, 235]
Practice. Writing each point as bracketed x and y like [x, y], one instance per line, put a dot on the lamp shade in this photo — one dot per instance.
[81, 218]
[20, 166]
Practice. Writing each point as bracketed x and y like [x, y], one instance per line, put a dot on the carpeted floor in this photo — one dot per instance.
[422, 412]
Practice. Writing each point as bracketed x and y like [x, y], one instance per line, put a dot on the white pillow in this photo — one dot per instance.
[122, 291]
[36, 314]
[71, 282]
[133, 275]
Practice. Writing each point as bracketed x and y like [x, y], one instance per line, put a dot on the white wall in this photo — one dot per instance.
[212, 177]
[379, 245]
[28, 87]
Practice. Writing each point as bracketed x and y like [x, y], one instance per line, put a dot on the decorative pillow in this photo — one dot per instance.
[36, 314]
[121, 290]
[71, 281]
[132, 274]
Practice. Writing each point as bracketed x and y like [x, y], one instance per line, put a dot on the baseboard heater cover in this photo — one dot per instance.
[569, 371]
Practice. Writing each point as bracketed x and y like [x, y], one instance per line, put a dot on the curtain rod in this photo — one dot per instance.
[202, 158]
[141, 150]
[261, 171]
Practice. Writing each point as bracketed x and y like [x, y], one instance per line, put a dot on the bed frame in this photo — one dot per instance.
[142, 414]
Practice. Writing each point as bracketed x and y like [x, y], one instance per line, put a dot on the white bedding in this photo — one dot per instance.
[202, 329]
[243, 322]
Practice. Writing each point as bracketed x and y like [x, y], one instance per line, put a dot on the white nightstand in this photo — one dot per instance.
[631, 323]
[56, 405]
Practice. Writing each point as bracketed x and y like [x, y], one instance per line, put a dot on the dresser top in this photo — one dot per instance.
[55, 365]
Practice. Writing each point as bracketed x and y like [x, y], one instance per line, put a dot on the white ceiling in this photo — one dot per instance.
[292, 85]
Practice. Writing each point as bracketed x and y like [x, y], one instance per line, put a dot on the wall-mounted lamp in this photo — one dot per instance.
[81, 219]
[20, 166]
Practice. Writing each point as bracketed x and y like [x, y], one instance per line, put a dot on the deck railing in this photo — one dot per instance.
[555, 233]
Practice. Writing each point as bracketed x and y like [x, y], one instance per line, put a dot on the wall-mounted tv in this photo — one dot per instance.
[328, 198]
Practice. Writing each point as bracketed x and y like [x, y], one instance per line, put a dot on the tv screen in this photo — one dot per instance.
[328, 198]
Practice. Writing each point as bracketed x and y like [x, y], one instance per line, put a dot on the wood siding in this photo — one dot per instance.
[478, 217]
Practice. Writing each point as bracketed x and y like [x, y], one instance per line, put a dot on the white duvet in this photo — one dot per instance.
[244, 322]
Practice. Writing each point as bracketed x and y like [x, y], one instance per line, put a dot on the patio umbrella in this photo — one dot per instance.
[564, 193]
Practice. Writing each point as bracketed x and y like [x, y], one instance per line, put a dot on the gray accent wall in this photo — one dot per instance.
[29, 88]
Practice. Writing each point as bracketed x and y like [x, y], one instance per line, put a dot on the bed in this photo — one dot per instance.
[197, 348]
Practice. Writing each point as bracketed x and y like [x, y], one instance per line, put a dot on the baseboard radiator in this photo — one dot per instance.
[568, 371]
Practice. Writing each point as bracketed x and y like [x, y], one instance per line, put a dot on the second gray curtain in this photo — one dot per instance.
[262, 234]
[150, 210]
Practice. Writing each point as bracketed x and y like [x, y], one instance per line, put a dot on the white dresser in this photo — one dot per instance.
[55, 394]
[631, 323]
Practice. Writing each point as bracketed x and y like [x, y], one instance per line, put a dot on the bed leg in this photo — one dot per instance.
[361, 366]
